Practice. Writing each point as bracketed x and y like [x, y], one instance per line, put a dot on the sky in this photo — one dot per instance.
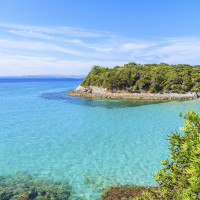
[41, 37]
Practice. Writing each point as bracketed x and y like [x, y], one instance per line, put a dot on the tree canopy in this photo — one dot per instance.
[146, 77]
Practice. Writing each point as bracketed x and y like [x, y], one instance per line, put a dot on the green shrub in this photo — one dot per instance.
[147, 77]
[180, 178]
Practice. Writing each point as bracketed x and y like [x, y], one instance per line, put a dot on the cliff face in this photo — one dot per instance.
[99, 92]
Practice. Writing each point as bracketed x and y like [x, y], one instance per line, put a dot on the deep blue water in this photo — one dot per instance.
[92, 143]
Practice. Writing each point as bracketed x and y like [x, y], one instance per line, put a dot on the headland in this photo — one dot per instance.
[141, 81]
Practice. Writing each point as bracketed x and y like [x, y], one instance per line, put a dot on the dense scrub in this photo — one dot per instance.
[148, 77]
[180, 178]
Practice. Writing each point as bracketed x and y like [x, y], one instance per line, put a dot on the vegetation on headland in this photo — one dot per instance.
[146, 77]
[180, 178]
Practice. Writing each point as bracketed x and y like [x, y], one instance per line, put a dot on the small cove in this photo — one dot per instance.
[91, 143]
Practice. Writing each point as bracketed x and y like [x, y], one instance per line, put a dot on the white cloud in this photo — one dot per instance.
[178, 50]
[134, 46]
[37, 46]
[29, 65]
[30, 33]
[71, 31]
[67, 50]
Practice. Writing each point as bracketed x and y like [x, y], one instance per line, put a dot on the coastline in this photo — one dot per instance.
[99, 92]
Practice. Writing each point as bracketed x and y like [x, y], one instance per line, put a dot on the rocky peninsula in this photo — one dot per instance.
[99, 92]
[141, 81]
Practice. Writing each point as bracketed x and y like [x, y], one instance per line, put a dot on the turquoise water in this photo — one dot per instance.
[91, 143]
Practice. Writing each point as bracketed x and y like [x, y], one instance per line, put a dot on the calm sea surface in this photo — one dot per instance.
[92, 143]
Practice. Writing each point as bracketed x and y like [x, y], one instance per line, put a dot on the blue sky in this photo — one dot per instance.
[69, 37]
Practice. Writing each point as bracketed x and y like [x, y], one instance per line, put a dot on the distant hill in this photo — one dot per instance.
[46, 76]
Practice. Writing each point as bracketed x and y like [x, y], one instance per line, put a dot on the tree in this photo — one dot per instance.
[180, 178]
[148, 77]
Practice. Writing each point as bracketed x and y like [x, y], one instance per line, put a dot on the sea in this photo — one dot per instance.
[92, 144]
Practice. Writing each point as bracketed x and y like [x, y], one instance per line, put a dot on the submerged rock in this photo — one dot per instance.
[22, 186]
[125, 193]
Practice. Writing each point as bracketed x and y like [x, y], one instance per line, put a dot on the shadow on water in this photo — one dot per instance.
[104, 103]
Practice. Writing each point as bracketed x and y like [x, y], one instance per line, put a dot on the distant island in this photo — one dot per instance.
[141, 81]
[47, 76]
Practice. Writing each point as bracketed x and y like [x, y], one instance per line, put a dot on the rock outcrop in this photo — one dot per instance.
[99, 92]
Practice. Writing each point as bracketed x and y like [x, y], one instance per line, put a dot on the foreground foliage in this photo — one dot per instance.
[180, 178]
[148, 77]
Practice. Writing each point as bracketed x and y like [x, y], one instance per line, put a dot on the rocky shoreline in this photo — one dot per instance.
[99, 92]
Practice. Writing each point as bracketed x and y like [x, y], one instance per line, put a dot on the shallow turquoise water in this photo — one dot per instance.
[92, 143]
